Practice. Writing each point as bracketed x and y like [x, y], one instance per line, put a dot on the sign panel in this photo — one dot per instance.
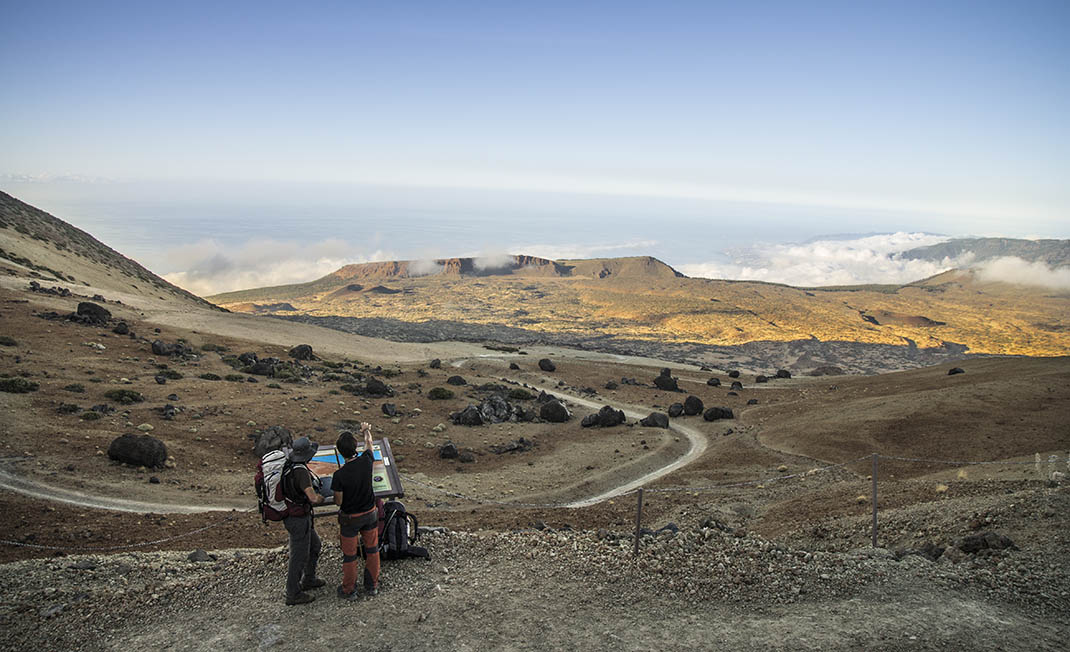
[386, 483]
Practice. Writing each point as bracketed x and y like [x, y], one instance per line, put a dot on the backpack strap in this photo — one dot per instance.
[415, 527]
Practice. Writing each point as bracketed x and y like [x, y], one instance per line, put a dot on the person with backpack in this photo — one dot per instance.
[297, 486]
[358, 514]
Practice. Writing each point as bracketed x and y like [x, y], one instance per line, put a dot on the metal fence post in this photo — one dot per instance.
[875, 456]
[638, 522]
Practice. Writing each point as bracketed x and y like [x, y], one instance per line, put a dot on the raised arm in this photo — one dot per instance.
[366, 429]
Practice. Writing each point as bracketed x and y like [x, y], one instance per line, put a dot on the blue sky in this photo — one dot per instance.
[859, 117]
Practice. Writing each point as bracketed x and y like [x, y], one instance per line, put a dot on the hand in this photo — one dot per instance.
[365, 426]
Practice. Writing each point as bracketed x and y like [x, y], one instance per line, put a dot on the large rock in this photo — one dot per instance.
[376, 387]
[272, 439]
[546, 364]
[456, 381]
[435, 364]
[302, 352]
[138, 450]
[783, 373]
[159, 347]
[261, 368]
[470, 416]
[666, 382]
[676, 409]
[121, 329]
[734, 373]
[955, 370]
[248, 358]
[692, 406]
[607, 417]
[715, 413]
[655, 420]
[985, 541]
[448, 451]
[714, 382]
[736, 385]
[91, 313]
[554, 411]
[389, 409]
[761, 379]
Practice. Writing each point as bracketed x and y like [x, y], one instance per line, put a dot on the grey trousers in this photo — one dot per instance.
[304, 552]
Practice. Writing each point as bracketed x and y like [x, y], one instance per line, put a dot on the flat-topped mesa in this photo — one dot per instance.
[505, 265]
[488, 266]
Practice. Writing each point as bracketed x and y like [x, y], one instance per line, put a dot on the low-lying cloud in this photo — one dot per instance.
[576, 251]
[209, 268]
[1011, 269]
[863, 260]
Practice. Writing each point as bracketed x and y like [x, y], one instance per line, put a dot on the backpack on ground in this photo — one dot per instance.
[272, 476]
[400, 532]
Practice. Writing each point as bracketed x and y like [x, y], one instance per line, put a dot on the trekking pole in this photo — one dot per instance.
[638, 522]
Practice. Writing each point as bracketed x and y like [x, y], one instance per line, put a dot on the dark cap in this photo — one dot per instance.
[303, 450]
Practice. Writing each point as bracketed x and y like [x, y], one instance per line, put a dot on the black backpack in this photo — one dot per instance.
[398, 535]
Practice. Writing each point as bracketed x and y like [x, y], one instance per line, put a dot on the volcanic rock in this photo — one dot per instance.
[666, 382]
[547, 365]
[91, 313]
[676, 409]
[121, 329]
[692, 406]
[456, 380]
[655, 420]
[715, 413]
[714, 382]
[271, 439]
[955, 370]
[138, 450]
[737, 385]
[734, 373]
[448, 451]
[607, 417]
[783, 373]
[554, 411]
[390, 410]
[302, 352]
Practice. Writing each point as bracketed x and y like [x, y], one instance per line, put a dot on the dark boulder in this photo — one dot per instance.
[302, 352]
[715, 413]
[91, 313]
[470, 416]
[607, 417]
[761, 379]
[121, 329]
[827, 370]
[514, 366]
[611, 385]
[655, 420]
[546, 364]
[692, 406]
[666, 382]
[736, 385]
[734, 373]
[955, 370]
[435, 364]
[554, 411]
[714, 382]
[168, 412]
[160, 379]
[783, 373]
[138, 450]
[543, 397]
[376, 387]
[159, 347]
[676, 409]
[260, 368]
[752, 401]
[448, 451]
[974, 544]
[518, 446]
[247, 359]
[467, 457]
[456, 380]
[390, 410]
[272, 439]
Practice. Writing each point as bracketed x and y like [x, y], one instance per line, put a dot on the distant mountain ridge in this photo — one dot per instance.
[515, 265]
[1055, 253]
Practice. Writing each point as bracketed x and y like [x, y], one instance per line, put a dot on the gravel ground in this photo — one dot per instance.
[539, 590]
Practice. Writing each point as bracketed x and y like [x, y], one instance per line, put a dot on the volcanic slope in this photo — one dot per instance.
[642, 300]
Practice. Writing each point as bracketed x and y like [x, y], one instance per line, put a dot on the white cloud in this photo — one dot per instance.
[869, 259]
[424, 267]
[1011, 269]
[571, 251]
[496, 260]
[210, 268]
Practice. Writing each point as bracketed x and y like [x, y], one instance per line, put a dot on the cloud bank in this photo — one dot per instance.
[862, 260]
[1010, 269]
[210, 268]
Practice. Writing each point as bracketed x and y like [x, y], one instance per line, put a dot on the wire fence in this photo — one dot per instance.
[1044, 468]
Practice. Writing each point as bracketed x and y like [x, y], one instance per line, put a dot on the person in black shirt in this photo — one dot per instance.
[357, 513]
[304, 542]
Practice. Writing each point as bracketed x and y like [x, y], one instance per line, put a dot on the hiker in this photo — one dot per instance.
[304, 542]
[357, 513]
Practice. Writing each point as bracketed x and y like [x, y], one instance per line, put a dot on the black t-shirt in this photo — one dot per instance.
[354, 480]
[299, 479]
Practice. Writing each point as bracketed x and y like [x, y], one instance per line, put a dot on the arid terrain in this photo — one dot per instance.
[756, 528]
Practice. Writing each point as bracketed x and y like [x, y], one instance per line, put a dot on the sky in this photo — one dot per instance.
[359, 130]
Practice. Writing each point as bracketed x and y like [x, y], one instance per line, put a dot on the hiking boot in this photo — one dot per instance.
[313, 583]
[372, 592]
[348, 596]
[300, 598]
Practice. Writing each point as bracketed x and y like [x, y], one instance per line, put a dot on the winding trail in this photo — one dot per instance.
[20, 484]
[697, 443]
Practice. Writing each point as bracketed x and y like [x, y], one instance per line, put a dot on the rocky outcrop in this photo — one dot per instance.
[666, 382]
[554, 411]
[302, 352]
[607, 417]
[715, 413]
[655, 420]
[91, 313]
[138, 450]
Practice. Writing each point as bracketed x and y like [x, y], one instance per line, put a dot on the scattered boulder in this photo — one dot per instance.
[666, 382]
[271, 439]
[470, 416]
[928, 550]
[390, 410]
[752, 401]
[734, 373]
[715, 413]
[607, 417]
[761, 379]
[692, 406]
[200, 555]
[676, 409]
[466, 457]
[514, 366]
[91, 313]
[554, 411]
[655, 420]
[955, 370]
[518, 446]
[736, 385]
[159, 347]
[448, 451]
[121, 329]
[247, 359]
[629, 381]
[547, 365]
[611, 385]
[302, 352]
[376, 387]
[265, 367]
[714, 382]
[435, 364]
[168, 412]
[124, 396]
[18, 385]
[456, 381]
[439, 394]
[160, 379]
[138, 450]
[783, 373]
